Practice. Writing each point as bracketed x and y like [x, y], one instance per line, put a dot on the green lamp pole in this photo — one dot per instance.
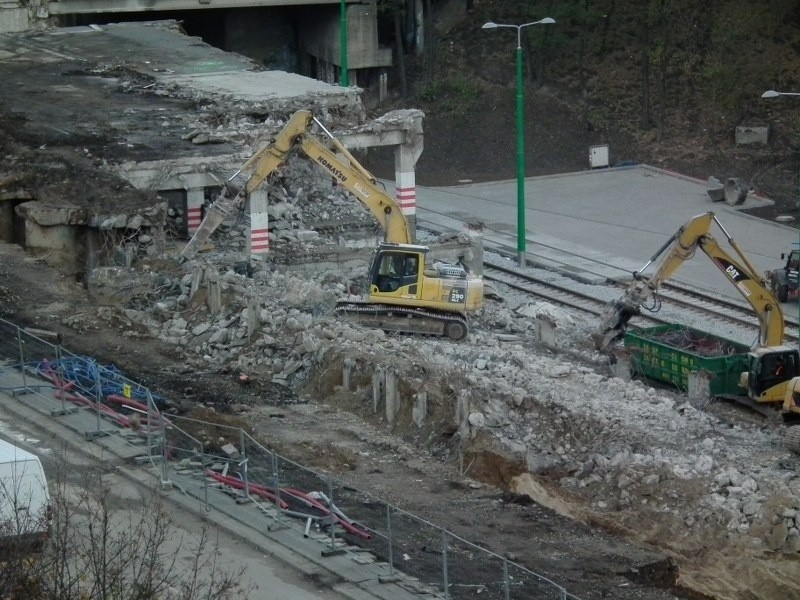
[343, 42]
[774, 94]
[521, 230]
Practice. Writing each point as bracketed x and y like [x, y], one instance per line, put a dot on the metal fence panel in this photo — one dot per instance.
[215, 462]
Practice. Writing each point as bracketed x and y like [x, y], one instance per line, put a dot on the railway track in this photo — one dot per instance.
[709, 307]
[672, 294]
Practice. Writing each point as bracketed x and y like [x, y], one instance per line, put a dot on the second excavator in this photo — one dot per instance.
[408, 292]
[773, 373]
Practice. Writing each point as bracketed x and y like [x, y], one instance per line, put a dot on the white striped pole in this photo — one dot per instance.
[406, 186]
[194, 209]
[259, 223]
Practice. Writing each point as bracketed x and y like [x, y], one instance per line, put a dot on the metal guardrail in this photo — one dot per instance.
[206, 459]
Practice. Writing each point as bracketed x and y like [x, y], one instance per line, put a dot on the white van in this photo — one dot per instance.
[24, 498]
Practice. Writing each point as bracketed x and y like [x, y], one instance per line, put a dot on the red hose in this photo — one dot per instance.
[255, 488]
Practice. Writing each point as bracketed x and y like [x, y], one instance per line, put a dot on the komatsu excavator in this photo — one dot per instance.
[408, 292]
[773, 372]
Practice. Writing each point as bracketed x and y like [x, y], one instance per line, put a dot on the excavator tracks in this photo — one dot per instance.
[404, 320]
[792, 439]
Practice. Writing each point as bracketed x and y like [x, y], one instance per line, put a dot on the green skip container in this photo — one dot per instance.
[668, 353]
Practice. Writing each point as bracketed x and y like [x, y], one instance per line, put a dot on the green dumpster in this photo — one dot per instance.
[668, 353]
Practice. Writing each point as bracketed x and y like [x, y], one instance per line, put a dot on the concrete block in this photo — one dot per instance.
[622, 367]
[306, 235]
[14, 19]
[546, 332]
[736, 191]
[699, 388]
[746, 134]
[420, 409]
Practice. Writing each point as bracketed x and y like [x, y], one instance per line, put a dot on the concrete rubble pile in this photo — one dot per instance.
[622, 445]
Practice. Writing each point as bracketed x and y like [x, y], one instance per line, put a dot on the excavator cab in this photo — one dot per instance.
[769, 370]
[393, 270]
[410, 293]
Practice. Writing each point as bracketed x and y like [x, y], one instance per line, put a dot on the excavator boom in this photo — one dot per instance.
[408, 292]
[680, 248]
[343, 167]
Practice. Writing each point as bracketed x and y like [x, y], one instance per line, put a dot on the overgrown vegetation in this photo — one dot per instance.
[101, 547]
[675, 57]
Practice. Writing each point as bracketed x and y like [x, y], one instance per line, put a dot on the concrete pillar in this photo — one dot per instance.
[258, 237]
[195, 198]
[347, 372]
[377, 388]
[214, 293]
[198, 277]
[461, 414]
[699, 388]
[420, 409]
[622, 367]
[252, 317]
[546, 329]
[419, 29]
[392, 397]
[405, 159]
[475, 232]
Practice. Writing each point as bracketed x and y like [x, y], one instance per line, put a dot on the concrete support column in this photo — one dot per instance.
[475, 233]
[347, 372]
[392, 396]
[699, 388]
[378, 387]
[420, 409]
[622, 367]
[546, 331]
[214, 295]
[405, 159]
[258, 236]
[195, 198]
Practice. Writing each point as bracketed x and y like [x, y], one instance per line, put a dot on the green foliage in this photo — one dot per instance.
[455, 94]
[737, 66]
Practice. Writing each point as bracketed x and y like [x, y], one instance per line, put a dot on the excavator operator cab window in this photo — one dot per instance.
[396, 270]
[772, 369]
[794, 260]
[776, 368]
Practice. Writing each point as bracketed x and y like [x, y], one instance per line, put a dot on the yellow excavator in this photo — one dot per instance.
[773, 374]
[408, 292]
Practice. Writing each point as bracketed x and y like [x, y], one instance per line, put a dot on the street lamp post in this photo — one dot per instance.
[774, 94]
[521, 231]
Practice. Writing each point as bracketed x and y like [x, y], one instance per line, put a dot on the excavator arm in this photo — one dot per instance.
[296, 137]
[682, 247]
[359, 182]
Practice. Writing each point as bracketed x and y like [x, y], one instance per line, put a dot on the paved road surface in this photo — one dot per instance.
[621, 216]
[266, 577]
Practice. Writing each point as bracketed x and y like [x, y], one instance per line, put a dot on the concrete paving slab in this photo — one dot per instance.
[607, 222]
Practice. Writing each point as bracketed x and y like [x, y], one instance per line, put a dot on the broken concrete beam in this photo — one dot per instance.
[736, 191]
[716, 190]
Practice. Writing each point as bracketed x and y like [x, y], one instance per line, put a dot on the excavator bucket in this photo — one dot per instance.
[215, 216]
[614, 322]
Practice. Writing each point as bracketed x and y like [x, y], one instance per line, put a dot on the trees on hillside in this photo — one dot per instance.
[681, 55]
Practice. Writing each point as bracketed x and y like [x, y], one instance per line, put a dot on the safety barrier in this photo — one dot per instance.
[223, 467]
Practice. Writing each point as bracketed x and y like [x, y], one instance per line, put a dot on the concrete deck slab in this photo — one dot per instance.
[142, 87]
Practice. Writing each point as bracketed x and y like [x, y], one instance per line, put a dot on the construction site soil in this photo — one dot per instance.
[593, 556]
[336, 434]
